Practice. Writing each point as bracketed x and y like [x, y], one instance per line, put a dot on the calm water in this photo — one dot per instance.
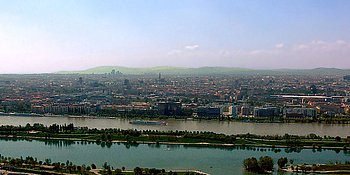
[212, 160]
[226, 127]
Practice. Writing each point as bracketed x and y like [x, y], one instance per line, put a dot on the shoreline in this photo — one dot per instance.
[340, 121]
[94, 171]
[315, 169]
[37, 168]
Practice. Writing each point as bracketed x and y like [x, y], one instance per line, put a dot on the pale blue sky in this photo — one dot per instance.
[53, 35]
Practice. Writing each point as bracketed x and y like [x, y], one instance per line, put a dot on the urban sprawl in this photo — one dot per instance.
[225, 97]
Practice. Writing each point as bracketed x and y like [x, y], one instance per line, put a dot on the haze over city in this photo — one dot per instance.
[48, 36]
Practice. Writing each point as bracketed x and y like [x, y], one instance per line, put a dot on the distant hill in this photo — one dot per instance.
[316, 71]
[208, 71]
[160, 69]
[124, 70]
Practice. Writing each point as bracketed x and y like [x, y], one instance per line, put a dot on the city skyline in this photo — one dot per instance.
[49, 36]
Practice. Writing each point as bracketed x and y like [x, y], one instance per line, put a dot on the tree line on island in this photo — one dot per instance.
[265, 164]
[133, 136]
[33, 165]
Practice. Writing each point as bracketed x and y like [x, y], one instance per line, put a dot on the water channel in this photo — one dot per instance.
[216, 161]
[226, 127]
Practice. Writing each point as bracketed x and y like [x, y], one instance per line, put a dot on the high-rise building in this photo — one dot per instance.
[347, 77]
[81, 81]
[245, 110]
[232, 109]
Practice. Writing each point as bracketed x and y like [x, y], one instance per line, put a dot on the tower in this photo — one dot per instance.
[80, 81]
[233, 107]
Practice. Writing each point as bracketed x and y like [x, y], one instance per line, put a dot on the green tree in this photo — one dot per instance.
[291, 161]
[338, 139]
[282, 162]
[266, 163]
[93, 166]
[251, 164]
[105, 166]
[138, 171]
[47, 161]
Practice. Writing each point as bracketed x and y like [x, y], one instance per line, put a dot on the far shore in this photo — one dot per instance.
[245, 119]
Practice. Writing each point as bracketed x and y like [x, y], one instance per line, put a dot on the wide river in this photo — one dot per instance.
[212, 160]
[216, 161]
[226, 127]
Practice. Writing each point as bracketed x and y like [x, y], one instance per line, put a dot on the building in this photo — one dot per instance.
[347, 77]
[299, 113]
[232, 108]
[209, 112]
[232, 111]
[266, 112]
[330, 108]
[245, 110]
[81, 82]
[38, 109]
[169, 108]
[75, 109]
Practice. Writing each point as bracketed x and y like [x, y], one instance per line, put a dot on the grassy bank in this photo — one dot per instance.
[31, 165]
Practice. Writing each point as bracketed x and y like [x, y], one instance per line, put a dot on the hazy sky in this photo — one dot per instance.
[53, 35]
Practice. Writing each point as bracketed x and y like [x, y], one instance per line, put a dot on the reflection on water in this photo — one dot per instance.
[59, 143]
[169, 147]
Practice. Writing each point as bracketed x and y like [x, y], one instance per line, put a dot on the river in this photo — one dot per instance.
[226, 127]
[216, 161]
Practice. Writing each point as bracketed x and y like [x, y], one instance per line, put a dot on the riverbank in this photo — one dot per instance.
[28, 171]
[318, 168]
[265, 165]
